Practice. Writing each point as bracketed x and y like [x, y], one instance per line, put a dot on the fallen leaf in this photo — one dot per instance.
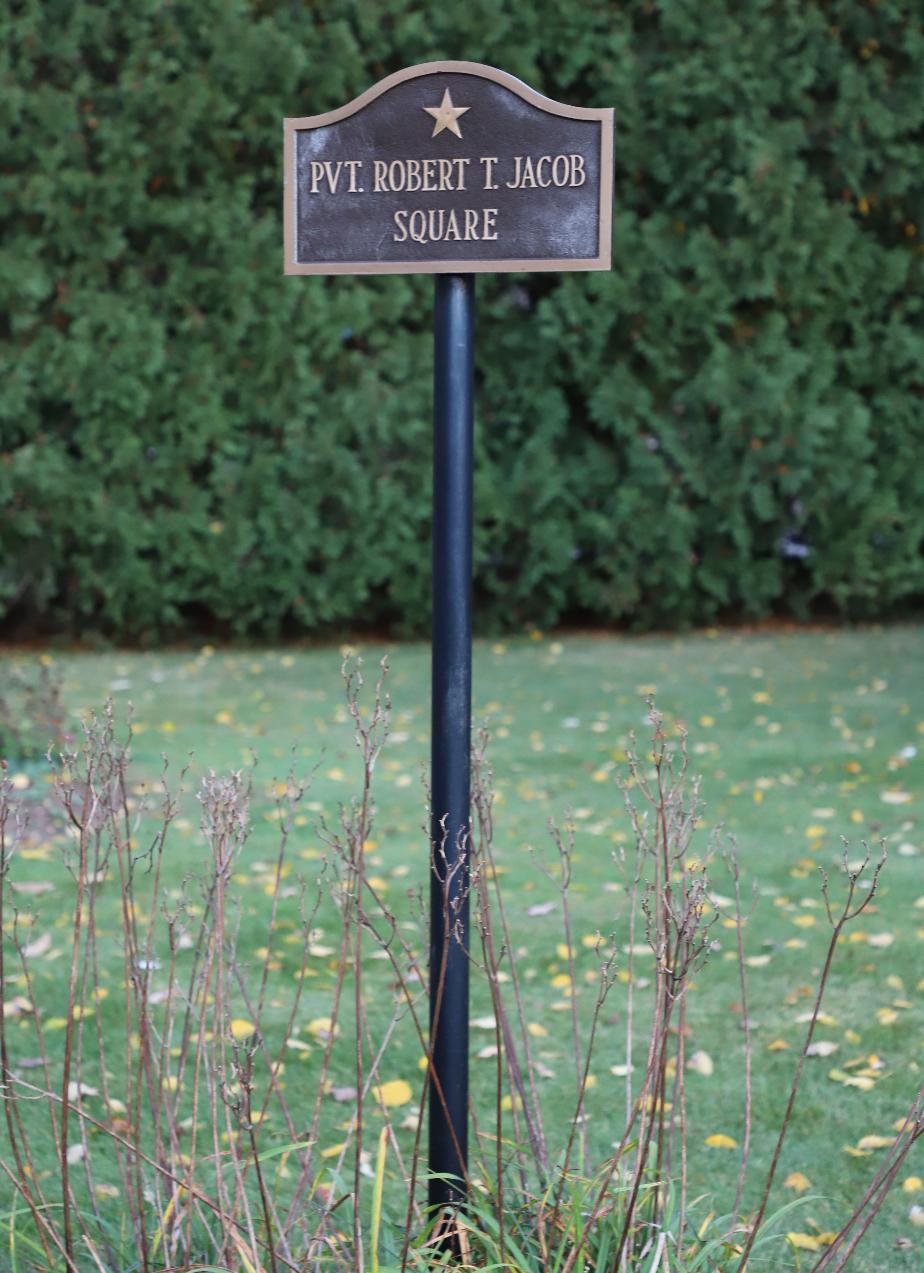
[862, 1081]
[822, 1048]
[701, 1063]
[912, 1184]
[17, 1006]
[810, 1241]
[718, 1140]
[875, 1142]
[241, 1029]
[395, 1092]
[320, 1028]
[343, 1093]
[797, 1182]
[77, 1091]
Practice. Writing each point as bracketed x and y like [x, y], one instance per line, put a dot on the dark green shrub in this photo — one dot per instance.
[730, 422]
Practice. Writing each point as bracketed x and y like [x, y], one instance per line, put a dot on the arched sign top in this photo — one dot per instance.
[448, 167]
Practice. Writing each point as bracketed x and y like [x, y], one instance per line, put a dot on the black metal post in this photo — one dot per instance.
[454, 347]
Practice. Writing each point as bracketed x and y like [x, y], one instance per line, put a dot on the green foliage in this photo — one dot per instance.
[188, 438]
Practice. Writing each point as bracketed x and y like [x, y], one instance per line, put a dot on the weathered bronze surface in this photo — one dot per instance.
[448, 166]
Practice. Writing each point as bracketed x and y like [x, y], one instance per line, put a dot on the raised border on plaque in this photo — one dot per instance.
[603, 115]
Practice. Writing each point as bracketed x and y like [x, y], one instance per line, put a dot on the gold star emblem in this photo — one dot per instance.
[446, 115]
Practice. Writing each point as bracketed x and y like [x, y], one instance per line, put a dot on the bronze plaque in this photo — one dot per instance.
[448, 167]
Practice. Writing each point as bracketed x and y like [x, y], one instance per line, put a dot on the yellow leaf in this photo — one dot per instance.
[17, 1006]
[804, 1241]
[562, 951]
[395, 1092]
[778, 1045]
[912, 1184]
[320, 1028]
[718, 1140]
[823, 1047]
[875, 1142]
[701, 1063]
[241, 1029]
[862, 1081]
[797, 1182]
[332, 1150]
[536, 1030]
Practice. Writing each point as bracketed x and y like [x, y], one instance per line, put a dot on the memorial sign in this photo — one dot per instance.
[452, 169]
[448, 167]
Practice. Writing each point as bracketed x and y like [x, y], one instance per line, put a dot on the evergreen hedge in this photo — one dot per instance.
[730, 422]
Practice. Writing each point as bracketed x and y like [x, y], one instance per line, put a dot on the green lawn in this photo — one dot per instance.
[800, 736]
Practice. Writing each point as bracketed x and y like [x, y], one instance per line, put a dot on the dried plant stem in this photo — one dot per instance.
[565, 846]
[748, 1044]
[865, 1211]
[847, 913]
[24, 1169]
[82, 825]
[491, 903]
